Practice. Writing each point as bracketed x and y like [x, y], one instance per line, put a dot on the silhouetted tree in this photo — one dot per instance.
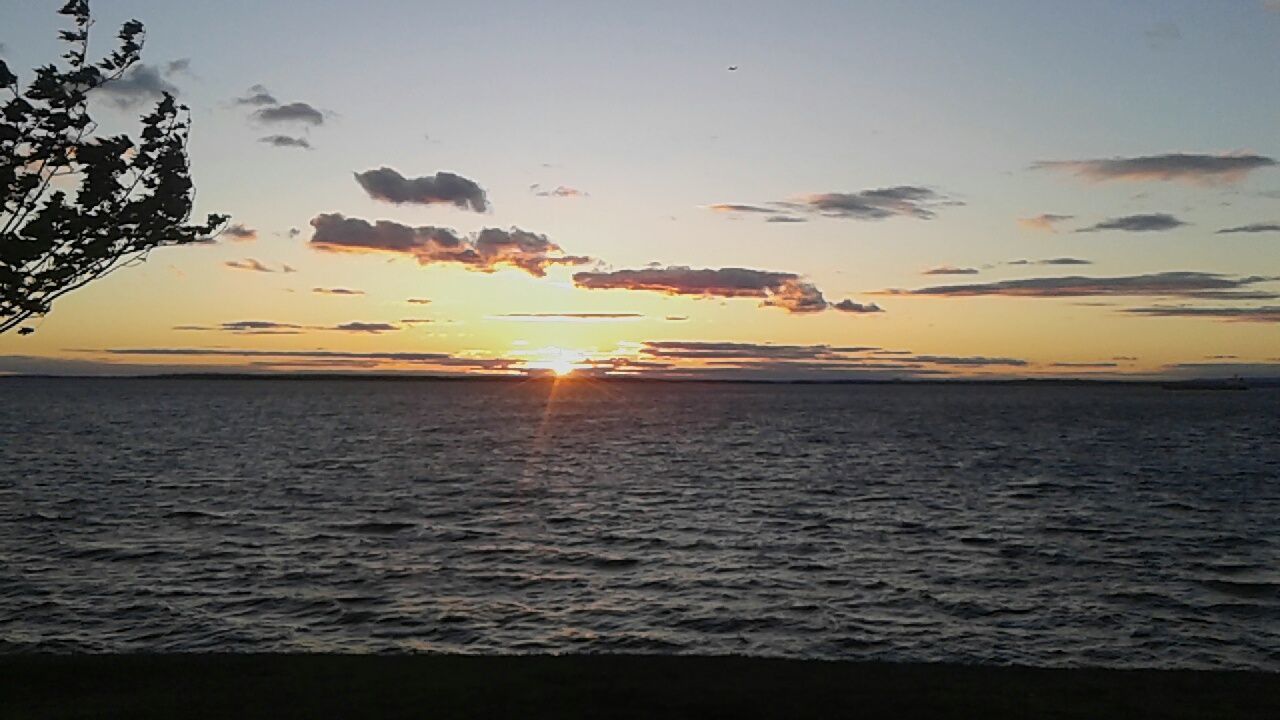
[129, 196]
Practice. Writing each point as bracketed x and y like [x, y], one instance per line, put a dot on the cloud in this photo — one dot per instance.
[1151, 222]
[1084, 365]
[1045, 222]
[287, 268]
[286, 141]
[785, 219]
[950, 270]
[1253, 228]
[485, 252]
[1187, 167]
[239, 232]
[177, 67]
[703, 350]
[776, 289]
[418, 301]
[336, 291]
[561, 191]
[1051, 261]
[442, 188]
[737, 208]
[676, 318]
[248, 264]
[850, 306]
[415, 321]
[1264, 314]
[257, 96]
[969, 361]
[249, 327]
[1167, 284]
[902, 200]
[435, 359]
[365, 327]
[297, 112]
[142, 83]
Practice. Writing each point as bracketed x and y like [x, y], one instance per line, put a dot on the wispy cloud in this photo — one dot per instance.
[336, 291]
[903, 200]
[1252, 228]
[418, 301]
[371, 328]
[1187, 167]
[286, 141]
[950, 270]
[240, 232]
[443, 188]
[486, 251]
[560, 191]
[1264, 314]
[1166, 284]
[249, 327]
[1045, 222]
[142, 83]
[1051, 261]
[740, 208]
[1150, 222]
[248, 264]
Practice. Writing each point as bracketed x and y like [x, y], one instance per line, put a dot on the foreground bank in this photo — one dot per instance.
[345, 686]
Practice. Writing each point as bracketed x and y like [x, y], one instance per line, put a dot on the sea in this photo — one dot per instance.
[1033, 524]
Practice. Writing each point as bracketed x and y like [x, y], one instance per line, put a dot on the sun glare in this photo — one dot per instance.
[560, 361]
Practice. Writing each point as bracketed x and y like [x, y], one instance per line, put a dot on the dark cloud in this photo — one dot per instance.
[776, 289]
[436, 359]
[1151, 222]
[738, 208]
[1051, 261]
[850, 306]
[336, 291]
[442, 188]
[286, 141]
[297, 112]
[294, 232]
[950, 270]
[418, 301]
[365, 327]
[1264, 314]
[248, 264]
[968, 361]
[903, 200]
[249, 327]
[416, 321]
[240, 232]
[257, 96]
[1253, 228]
[785, 219]
[702, 350]
[485, 252]
[1084, 365]
[177, 67]
[1191, 167]
[1170, 284]
[142, 83]
[1046, 222]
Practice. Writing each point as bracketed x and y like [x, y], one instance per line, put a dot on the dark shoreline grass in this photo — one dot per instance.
[612, 686]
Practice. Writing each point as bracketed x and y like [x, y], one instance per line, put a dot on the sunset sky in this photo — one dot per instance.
[879, 190]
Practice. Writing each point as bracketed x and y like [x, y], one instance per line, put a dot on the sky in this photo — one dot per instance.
[776, 190]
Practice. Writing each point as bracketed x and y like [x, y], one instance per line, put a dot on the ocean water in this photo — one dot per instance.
[1055, 526]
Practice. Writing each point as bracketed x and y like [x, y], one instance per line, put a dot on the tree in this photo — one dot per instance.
[129, 196]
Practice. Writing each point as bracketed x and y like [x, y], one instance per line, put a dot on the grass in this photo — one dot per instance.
[607, 686]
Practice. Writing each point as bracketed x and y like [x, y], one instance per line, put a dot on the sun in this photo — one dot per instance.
[562, 362]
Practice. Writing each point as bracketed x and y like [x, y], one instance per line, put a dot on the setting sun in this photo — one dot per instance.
[561, 361]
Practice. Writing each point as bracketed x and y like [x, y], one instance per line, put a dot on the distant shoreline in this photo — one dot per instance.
[614, 686]
[1262, 382]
